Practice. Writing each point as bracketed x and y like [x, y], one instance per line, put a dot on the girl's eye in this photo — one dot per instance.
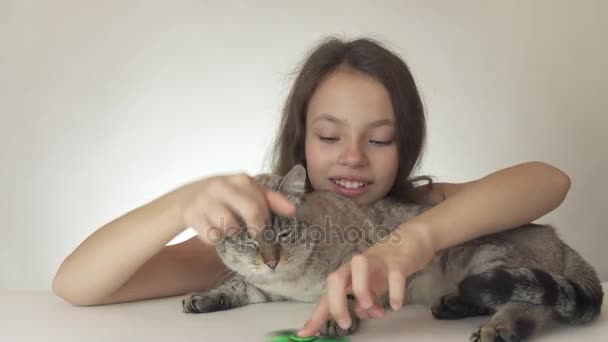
[284, 234]
[382, 143]
[328, 139]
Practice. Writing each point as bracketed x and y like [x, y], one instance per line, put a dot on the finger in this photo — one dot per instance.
[204, 230]
[337, 283]
[279, 203]
[396, 286]
[222, 221]
[376, 311]
[360, 280]
[361, 312]
[202, 226]
[248, 202]
[319, 317]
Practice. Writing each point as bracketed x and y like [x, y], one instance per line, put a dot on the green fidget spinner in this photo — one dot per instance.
[291, 336]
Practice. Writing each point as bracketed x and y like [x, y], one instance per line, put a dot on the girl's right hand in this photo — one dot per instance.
[216, 206]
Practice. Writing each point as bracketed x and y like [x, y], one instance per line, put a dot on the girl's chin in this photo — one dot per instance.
[363, 200]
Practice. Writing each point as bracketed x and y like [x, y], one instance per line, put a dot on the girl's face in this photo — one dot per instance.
[350, 137]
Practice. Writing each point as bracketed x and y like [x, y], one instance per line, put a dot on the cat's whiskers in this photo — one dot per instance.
[305, 273]
[300, 259]
[299, 272]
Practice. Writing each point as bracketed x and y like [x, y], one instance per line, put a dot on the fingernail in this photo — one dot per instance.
[395, 305]
[379, 311]
[344, 323]
[366, 303]
[376, 313]
[302, 331]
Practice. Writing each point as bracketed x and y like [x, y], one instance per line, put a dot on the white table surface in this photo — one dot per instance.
[41, 316]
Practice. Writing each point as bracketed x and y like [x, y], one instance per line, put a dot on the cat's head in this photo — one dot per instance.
[278, 247]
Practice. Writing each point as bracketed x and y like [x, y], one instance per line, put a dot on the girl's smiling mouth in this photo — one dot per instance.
[350, 186]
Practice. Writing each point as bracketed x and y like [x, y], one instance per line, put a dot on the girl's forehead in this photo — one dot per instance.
[350, 98]
[370, 121]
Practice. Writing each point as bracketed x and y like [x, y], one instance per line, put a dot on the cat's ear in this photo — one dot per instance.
[268, 180]
[293, 184]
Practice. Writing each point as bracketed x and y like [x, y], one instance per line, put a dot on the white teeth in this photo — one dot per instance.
[349, 184]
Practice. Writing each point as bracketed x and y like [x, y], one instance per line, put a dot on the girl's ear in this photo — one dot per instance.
[294, 184]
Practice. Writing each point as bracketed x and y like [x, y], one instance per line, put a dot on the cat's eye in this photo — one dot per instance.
[284, 234]
[247, 234]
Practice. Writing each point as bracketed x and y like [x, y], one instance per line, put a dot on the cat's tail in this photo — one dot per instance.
[576, 297]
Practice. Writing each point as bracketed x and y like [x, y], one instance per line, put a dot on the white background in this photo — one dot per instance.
[106, 105]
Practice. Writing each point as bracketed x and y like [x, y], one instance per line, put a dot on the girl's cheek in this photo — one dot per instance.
[321, 153]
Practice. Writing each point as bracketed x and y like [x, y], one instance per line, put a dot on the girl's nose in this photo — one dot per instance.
[353, 156]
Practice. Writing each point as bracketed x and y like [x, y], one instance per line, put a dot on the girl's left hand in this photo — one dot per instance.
[384, 266]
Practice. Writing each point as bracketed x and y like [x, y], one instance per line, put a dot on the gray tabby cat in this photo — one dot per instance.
[522, 277]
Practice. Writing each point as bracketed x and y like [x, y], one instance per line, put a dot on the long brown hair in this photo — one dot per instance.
[370, 57]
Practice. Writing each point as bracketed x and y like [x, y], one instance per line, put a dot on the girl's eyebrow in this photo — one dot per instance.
[333, 119]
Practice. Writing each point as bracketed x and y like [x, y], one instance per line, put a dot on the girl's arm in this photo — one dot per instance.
[501, 200]
[504, 199]
[127, 260]
[178, 269]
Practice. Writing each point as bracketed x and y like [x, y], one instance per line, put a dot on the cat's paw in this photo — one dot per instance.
[202, 302]
[453, 307]
[332, 329]
[494, 333]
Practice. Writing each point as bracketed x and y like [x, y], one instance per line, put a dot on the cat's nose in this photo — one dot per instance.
[272, 264]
